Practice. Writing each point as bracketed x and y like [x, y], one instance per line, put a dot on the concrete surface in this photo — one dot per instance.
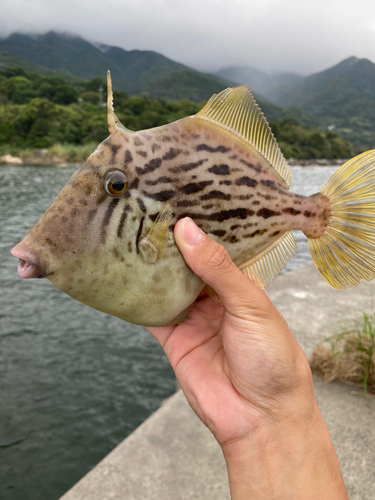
[172, 456]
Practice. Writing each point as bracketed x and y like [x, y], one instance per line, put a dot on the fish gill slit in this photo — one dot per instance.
[139, 233]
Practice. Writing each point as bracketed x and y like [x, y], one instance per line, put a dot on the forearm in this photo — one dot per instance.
[287, 461]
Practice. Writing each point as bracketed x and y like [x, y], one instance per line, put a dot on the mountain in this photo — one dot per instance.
[258, 81]
[8, 60]
[134, 72]
[341, 98]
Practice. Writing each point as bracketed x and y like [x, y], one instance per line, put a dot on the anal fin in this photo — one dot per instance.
[264, 268]
[153, 246]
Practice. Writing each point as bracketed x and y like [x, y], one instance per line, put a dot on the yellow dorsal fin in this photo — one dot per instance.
[265, 267]
[114, 124]
[236, 111]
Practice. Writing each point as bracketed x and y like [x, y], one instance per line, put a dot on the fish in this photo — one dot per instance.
[107, 239]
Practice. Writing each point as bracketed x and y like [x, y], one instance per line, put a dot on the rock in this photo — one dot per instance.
[10, 160]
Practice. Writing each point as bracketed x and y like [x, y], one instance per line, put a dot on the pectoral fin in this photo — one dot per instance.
[153, 246]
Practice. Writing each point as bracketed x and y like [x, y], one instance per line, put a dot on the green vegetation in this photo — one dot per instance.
[349, 355]
[305, 143]
[68, 118]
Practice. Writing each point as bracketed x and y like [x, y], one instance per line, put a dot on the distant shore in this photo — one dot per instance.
[61, 162]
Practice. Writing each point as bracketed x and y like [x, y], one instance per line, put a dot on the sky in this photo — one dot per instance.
[301, 36]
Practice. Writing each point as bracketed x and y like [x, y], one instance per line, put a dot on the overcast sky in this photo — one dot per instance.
[303, 36]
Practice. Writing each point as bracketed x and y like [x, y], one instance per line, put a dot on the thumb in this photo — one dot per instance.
[211, 262]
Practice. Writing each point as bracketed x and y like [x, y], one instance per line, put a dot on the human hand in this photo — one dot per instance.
[249, 381]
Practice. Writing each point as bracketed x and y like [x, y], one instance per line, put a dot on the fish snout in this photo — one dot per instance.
[29, 264]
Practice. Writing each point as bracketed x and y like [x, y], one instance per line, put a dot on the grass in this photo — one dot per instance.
[349, 355]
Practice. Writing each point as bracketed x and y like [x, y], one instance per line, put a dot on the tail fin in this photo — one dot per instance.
[345, 253]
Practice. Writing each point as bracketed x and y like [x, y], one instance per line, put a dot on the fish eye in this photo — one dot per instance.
[116, 183]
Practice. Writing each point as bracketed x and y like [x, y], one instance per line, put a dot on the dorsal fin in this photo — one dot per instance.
[114, 124]
[235, 110]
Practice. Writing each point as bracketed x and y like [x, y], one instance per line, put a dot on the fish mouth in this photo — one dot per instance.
[28, 263]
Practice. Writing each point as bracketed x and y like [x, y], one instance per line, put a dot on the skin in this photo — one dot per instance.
[248, 380]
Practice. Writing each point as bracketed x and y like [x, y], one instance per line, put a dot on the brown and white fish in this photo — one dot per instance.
[107, 239]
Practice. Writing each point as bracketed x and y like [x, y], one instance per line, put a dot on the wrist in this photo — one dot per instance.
[292, 459]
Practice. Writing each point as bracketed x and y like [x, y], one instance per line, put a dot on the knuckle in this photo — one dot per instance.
[218, 257]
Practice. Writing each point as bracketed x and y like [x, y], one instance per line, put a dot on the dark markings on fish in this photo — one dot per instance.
[218, 232]
[187, 166]
[193, 176]
[246, 181]
[91, 214]
[115, 252]
[226, 183]
[235, 226]
[219, 170]
[108, 214]
[50, 242]
[165, 138]
[250, 224]
[139, 232]
[206, 207]
[153, 217]
[159, 180]
[142, 153]
[64, 220]
[114, 149]
[155, 147]
[270, 184]
[216, 195]
[266, 213]
[83, 202]
[233, 157]
[149, 167]
[274, 234]
[291, 211]
[137, 141]
[195, 187]
[306, 213]
[268, 197]
[243, 197]
[161, 196]
[141, 205]
[134, 183]
[258, 232]
[237, 213]
[256, 202]
[171, 154]
[74, 212]
[188, 203]
[130, 248]
[219, 149]
[88, 188]
[128, 157]
[126, 209]
[102, 198]
[250, 165]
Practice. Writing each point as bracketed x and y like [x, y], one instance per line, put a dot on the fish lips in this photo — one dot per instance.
[29, 265]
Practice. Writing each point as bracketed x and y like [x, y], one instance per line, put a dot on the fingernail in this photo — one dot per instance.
[192, 233]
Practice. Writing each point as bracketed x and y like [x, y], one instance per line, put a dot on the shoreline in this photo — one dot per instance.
[11, 160]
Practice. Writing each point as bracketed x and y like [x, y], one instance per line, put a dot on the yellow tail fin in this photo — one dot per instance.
[345, 253]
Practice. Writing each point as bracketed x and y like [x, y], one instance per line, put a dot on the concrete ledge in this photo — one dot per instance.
[173, 456]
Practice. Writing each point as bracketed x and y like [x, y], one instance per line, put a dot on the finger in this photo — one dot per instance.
[211, 262]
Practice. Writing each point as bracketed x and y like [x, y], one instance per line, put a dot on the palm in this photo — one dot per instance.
[198, 352]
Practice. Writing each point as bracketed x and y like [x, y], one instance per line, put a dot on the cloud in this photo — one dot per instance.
[272, 35]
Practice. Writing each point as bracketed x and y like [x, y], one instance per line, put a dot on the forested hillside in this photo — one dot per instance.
[39, 111]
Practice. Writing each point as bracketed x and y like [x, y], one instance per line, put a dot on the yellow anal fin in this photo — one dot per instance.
[153, 246]
[213, 295]
[264, 268]
[236, 111]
